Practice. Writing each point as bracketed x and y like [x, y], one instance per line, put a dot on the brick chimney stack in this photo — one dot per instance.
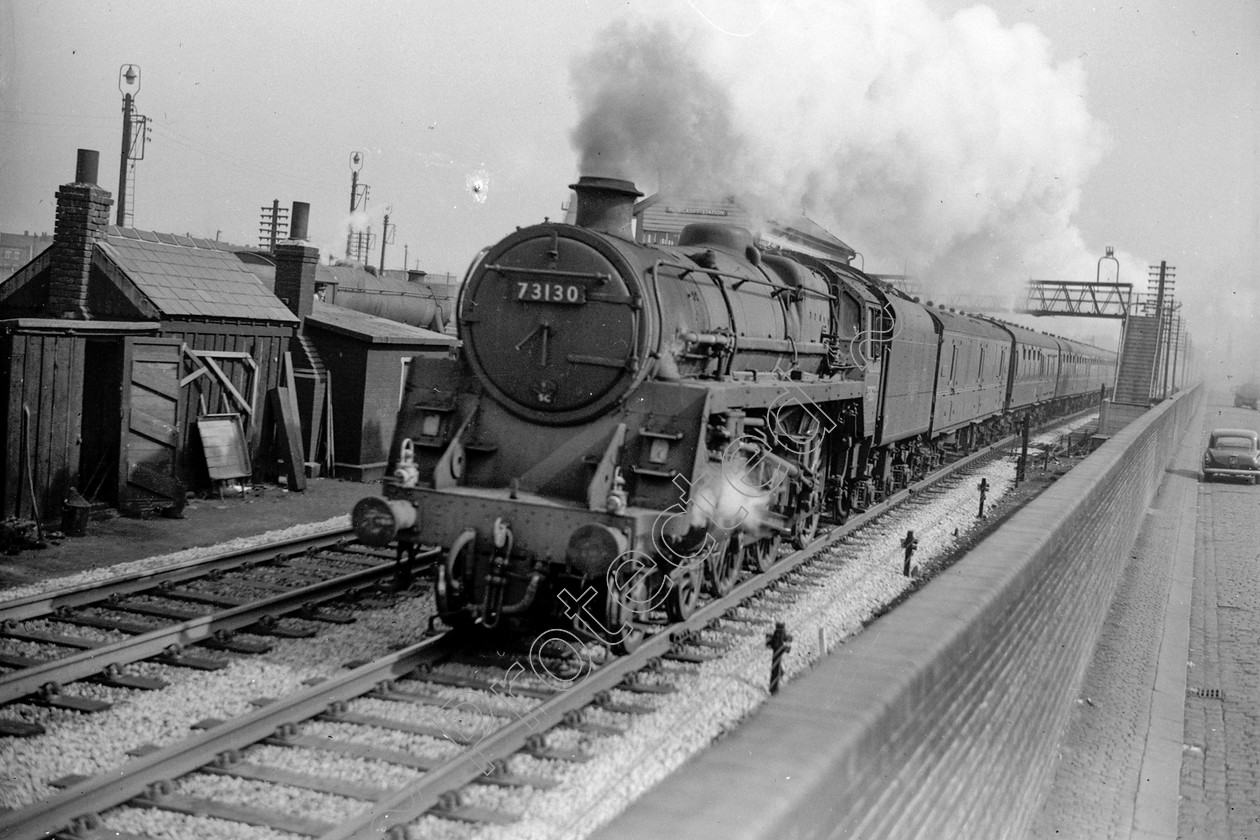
[296, 264]
[82, 214]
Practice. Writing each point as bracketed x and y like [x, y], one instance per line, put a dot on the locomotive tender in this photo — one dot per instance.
[626, 425]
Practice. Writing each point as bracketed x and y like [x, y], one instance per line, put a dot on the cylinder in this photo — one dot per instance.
[298, 219]
[86, 166]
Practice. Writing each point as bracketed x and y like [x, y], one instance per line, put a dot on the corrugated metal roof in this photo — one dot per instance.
[185, 280]
[372, 329]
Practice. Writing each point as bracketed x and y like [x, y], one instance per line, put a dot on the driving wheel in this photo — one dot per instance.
[721, 568]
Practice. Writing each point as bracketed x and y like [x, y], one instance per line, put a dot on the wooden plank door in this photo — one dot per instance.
[151, 425]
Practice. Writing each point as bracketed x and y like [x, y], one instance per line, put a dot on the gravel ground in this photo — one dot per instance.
[162, 825]
[715, 696]
[90, 744]
[167, 561]
[711, 699]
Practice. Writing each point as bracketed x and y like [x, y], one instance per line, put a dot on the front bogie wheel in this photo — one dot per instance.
[626, 598]
[453, 588]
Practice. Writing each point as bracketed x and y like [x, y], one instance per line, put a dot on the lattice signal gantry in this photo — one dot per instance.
[1083, 300]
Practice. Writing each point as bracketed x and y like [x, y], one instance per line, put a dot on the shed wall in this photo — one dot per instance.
[382, 393]
[266, 345]
[366, 390]
[43, 378]
[346, 362]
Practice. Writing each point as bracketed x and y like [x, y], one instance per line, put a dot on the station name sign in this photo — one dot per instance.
[698, 211]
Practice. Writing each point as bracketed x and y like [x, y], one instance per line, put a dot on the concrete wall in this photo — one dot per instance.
[943, 718]
[996, 651]
[1115, 416]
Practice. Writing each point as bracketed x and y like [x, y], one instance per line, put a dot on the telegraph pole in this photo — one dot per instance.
[1176, 353]
[274, 221]
[1169, 344]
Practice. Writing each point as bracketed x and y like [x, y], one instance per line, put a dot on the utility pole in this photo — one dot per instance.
[1169, 345]
[386, 229]
[128, 86]
[1176, 353]
[356, 163]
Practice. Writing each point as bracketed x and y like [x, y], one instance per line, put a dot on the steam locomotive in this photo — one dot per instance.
[627, 426]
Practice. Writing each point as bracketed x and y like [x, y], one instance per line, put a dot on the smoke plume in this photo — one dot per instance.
[954, 149]
[651, 111]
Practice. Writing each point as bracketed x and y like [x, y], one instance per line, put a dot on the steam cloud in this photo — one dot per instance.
[952, 148]
[727, 497]
[357, 222]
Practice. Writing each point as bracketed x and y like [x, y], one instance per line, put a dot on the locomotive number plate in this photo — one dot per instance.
[550, 292]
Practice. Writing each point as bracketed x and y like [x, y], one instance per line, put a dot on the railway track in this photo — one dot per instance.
[93, 632]
[473, 719]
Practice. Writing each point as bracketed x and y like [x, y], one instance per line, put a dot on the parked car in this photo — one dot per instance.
[1247, 396]
[1232, 453]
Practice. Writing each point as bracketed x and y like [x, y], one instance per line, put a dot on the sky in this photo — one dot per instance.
[972, 145]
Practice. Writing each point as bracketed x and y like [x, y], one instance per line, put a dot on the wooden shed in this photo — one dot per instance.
[86, 406]
[349, 361]
[154, 329]
[366, 358]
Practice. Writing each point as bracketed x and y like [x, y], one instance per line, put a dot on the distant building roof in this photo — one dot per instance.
[41, 240]
[372, 329]
[18, 249]
[185, 276]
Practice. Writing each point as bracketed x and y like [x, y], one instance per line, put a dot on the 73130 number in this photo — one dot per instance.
[530, 292]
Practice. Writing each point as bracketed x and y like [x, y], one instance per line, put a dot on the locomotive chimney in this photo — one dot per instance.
[606, 205]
